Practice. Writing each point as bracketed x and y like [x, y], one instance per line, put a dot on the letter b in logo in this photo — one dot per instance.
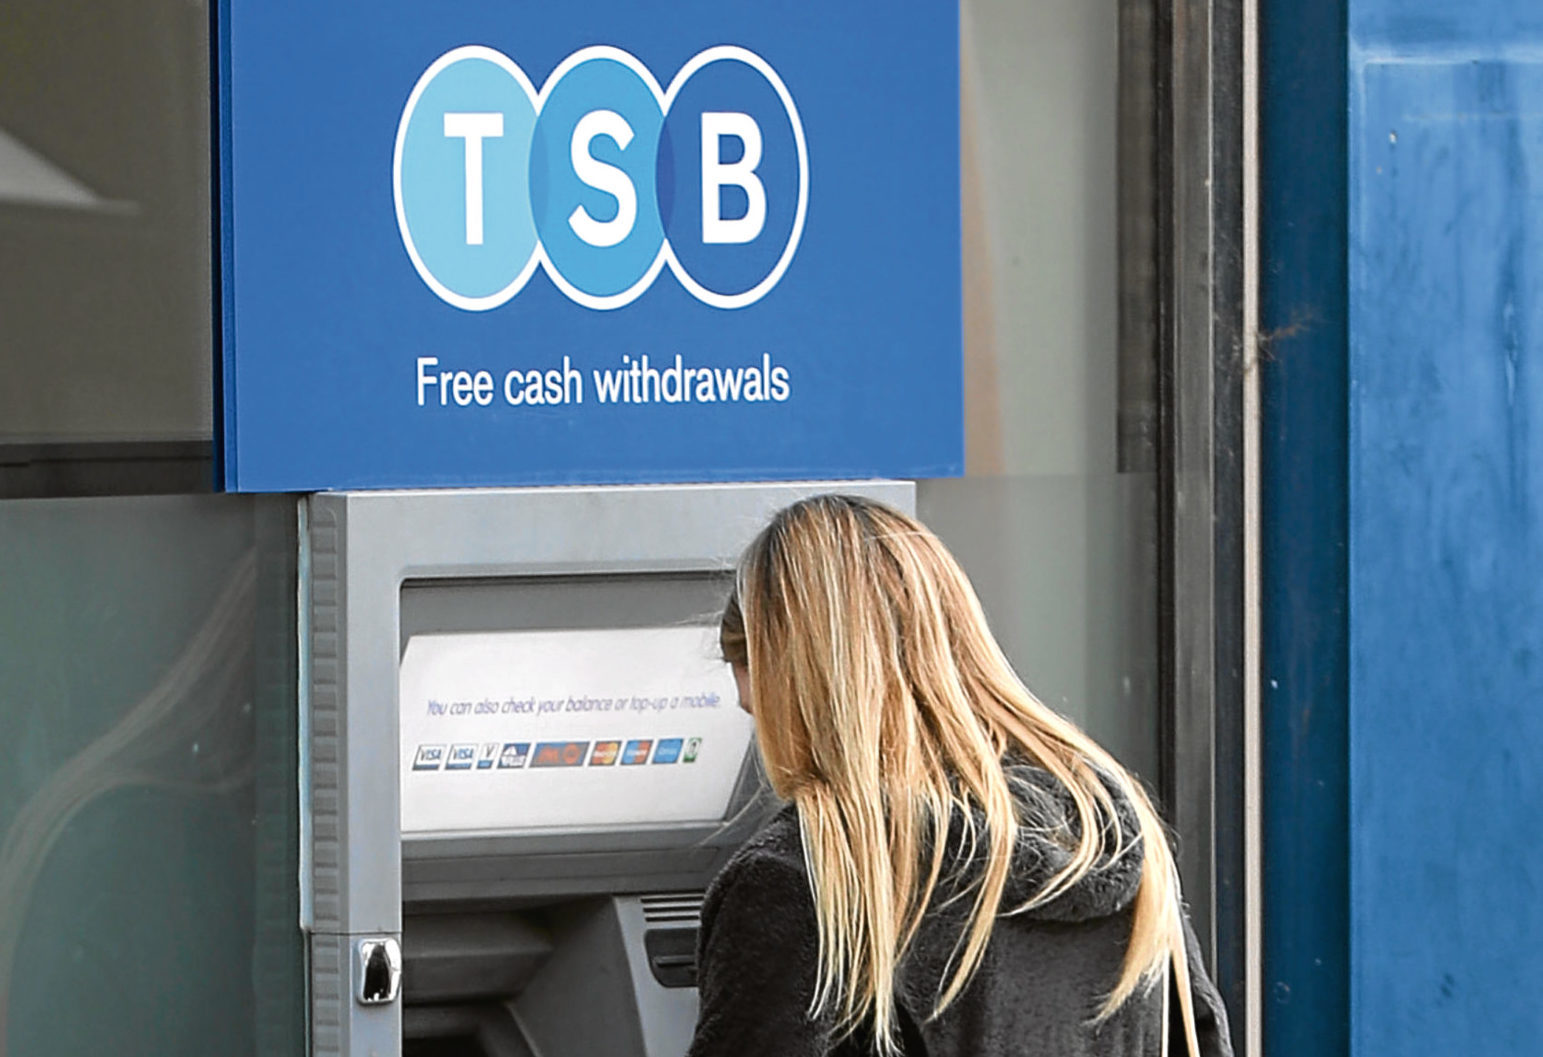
[602, 178]
[731, 151]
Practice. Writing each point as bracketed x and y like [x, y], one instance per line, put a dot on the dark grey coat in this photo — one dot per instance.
[1033, 996]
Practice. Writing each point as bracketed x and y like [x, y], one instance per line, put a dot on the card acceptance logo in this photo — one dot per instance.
[602, 178]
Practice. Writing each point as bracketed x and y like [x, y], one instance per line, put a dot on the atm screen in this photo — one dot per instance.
[514, 731]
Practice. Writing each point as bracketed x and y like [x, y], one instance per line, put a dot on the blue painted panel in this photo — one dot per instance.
[350, 132]
[1447, 557]
[1443, 26]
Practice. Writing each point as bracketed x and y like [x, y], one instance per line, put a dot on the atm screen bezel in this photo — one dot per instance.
[472, 860]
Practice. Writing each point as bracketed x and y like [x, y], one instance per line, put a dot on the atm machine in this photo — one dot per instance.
[523, 762]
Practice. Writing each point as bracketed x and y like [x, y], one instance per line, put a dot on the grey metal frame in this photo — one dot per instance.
[358, 549]
[1207, 433]
[1184, 269]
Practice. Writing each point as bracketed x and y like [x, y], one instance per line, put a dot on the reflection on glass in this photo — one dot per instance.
[105, 302]
[27, 178]
[147, 776]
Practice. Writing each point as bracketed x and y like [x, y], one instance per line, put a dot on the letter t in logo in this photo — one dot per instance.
[474, 128]
[716, 228]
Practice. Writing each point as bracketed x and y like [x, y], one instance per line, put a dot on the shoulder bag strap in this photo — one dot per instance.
[1167, 1029]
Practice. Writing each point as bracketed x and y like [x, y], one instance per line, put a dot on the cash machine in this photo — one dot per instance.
[523, 763]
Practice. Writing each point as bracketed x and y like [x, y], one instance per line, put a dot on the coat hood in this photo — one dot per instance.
[1049, 829]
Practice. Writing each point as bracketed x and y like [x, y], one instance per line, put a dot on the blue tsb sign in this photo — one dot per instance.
[446, 230]
[493, 178]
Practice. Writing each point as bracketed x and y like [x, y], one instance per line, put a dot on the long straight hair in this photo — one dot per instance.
[883, 709]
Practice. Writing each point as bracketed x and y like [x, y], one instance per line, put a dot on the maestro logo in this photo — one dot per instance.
[602, 178]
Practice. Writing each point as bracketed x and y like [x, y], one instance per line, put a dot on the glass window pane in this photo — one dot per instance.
[148, 845]
[1058, 531]
[104, 221]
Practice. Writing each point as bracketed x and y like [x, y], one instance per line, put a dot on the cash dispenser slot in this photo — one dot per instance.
[460, 971]
[586, 977]
[459, 957]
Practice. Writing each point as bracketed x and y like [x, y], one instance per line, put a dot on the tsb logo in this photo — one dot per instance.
[601, 177]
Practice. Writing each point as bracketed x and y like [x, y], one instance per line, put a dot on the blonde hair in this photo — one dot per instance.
[883, 709]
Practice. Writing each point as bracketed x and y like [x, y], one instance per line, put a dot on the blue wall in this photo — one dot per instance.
[1446, 542]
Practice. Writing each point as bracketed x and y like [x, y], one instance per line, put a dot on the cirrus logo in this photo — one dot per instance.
[602, 178]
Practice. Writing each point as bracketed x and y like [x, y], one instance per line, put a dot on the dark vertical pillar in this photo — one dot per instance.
[1304, 530]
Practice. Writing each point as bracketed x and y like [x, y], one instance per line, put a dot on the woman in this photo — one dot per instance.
[959, 872]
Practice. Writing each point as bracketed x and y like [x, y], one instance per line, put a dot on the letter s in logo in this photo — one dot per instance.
[602, 178]
[606, 177]
[592, 177]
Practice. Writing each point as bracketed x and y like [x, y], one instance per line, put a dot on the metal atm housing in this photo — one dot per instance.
[437, 935]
